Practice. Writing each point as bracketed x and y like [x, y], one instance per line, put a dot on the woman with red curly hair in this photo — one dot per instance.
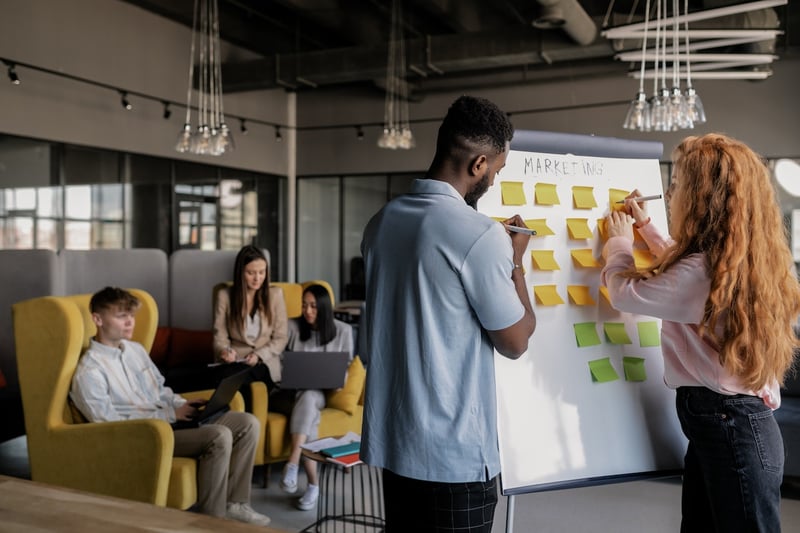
[724, 286]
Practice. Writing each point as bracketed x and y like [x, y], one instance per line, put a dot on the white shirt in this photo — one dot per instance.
[121, 384]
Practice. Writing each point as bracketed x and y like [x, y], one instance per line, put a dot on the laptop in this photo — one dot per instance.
[217, 405]
[314, 370]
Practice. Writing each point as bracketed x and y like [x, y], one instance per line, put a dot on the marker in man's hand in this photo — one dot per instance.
[517, 229]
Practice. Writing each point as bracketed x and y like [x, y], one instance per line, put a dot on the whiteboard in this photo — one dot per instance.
[563, 419]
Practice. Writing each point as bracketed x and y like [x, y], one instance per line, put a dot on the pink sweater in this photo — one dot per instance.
[678, 297]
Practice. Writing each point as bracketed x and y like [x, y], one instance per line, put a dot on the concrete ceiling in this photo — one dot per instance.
[306, 44]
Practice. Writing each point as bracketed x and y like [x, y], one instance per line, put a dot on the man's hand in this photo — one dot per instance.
[186, 411]
[519, 241]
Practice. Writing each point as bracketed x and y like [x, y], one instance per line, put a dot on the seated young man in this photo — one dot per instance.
[116, 380]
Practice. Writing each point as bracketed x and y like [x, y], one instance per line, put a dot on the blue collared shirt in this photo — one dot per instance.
[438, 276]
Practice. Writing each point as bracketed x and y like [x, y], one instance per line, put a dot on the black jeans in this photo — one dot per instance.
[417, 506]
[734, 463]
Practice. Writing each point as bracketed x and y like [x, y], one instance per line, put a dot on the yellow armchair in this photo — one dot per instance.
[128, 459]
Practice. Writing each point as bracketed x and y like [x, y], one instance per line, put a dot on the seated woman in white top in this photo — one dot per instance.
[315, 330]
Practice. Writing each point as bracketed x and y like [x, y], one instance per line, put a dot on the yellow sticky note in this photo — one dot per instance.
[547, 295]
[544, 260]
[583, 197]
[546, 194]
[602, 228]
[539, 225]
[579, 295]
[512, 193]
[499, 219]
[642, 258]
[584, 258]
[578, 228]
[615, 195]
[604, 293]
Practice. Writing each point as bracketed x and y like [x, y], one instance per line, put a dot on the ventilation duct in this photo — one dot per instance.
[569, 16]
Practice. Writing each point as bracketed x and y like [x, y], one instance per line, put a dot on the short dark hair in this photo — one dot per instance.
[477, 120]
[113, 297]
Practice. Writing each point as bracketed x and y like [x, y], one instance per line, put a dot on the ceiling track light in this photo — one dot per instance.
[167, 111]
[359, 133]
[123, 100]
[278, 134]
[242, 126]
[12, 73]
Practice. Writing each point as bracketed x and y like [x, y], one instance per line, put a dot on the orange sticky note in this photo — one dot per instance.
[547, 295]
[584, 258]
[602, 228]
[642, 258]
[579, 295]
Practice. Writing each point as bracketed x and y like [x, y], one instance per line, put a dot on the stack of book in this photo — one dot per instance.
[345, 454]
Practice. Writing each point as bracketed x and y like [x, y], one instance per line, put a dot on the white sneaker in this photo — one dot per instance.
[244, 513]
[289, 480]
[309, 499]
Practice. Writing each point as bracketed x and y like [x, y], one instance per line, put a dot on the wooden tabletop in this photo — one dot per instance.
[29, 506]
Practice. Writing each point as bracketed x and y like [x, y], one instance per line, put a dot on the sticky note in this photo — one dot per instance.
[583, 197]
[584, 258]
[499, 219]
[604, 293]
[586, 334]
[544, 260]
[539, 225]
[634, 369]
[615, 195]
[642, 258]
[545, 194]
[615, 333]
[648, 334]
[602, 228]
[547, 295]
[578, 228]
[602, 371]
[512, 193]
[579, 295]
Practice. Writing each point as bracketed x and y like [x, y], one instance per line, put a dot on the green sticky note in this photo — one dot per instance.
[648, 334]
[615, 333]
[586, 334]
[602, 371]
[634, 368]
[512, 193]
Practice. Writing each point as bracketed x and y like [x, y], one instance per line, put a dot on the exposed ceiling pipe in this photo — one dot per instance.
[569, 16]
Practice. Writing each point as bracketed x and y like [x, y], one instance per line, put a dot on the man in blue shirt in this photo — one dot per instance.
[444, 289]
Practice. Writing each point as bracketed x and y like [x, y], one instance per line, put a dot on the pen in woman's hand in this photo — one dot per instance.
[517, 229]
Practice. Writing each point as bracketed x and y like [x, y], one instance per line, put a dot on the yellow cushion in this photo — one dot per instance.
[346, 398]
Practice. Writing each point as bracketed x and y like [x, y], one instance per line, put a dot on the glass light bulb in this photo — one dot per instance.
[184, 143]
[638, 112]
[695, 105]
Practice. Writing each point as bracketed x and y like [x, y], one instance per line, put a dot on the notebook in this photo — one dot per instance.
[218, 403]
[314, 370]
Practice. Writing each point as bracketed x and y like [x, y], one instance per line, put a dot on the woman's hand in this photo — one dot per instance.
[637, 210]
[619, 224]
[228, 355]
[251, 359]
